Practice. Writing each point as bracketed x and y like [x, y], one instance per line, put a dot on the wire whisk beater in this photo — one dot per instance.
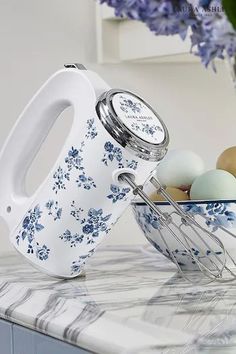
[181, 233]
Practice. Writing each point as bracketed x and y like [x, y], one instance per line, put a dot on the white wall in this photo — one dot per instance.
[37, 37]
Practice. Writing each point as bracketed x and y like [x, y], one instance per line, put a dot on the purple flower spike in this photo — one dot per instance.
[212, 35]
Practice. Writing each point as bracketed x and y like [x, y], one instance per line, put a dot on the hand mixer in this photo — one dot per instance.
[115, 142]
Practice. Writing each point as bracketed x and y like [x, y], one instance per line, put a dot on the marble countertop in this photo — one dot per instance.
[131, 301]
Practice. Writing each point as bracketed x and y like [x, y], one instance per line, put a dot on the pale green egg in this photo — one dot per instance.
[214, 184]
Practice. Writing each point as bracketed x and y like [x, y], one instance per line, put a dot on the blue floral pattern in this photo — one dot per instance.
[53, 209]
[146, 128]
[93, 224]
[91, 129]
[60, 178]
[42, 252]
[117, 193]
[179, 253]
[74, 160]
[147, 219]
[30, 226]
[77, 265]
[216, 214]
[114, 153]
[85, 182]
[73, 239]
[76, 212]
[127, 105]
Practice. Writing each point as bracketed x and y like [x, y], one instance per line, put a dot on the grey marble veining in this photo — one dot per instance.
[130, 301]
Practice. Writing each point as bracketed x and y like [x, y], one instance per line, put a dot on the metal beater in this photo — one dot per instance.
[217, 270]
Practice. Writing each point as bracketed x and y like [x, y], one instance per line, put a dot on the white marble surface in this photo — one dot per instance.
[128, 303]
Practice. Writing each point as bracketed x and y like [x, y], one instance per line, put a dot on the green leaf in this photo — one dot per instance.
[230, 10]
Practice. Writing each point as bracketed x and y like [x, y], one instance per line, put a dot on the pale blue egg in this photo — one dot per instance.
[214, 184]
[179, 168]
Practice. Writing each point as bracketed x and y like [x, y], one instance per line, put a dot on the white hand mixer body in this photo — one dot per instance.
[60, 226]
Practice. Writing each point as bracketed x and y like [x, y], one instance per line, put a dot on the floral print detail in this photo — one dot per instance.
[91, 129]
[85, 182]
[127, 105]
[74, 158]
[117, 193]
[146, 219]
[60, 177]
[216, 214]
[76, 212]
[42, 252]
[31, 226]
[53, 209]
[178, 253]
[72, 239]
[146, 128]
[114, 153]
[77, 265]
[93, 224]
[132, 164]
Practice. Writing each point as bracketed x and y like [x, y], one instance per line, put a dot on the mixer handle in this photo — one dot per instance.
[73, 86]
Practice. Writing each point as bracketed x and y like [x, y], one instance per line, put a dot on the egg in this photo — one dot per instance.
[179, 169]
[227, 160]
[175, 193]
[214, 184]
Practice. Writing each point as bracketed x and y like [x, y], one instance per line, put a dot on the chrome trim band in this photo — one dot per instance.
[123, 135]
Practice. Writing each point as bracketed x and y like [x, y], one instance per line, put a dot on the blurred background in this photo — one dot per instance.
[38, 37]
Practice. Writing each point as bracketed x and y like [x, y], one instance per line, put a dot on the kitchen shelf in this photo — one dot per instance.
[120, 39]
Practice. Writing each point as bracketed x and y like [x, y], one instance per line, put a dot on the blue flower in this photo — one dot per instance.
[117, 193]
[132, 164]
[73, 239]
[114, 188]
[91, 129]
[88, 228]
[30, 226]
[53, 209]
[76, 266]
[216, 208]
[26, 222]
[49, 204]
[58, 214]
[193, 209]
[82, 178]
[128, 104]
[108, 146]
[85, 182]
[42, 252]
[113, 154]
[73, 152]
[93, 224]
[67, 236]
[151, 219]
[215, 214]
[93, 212]
[60, 177]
